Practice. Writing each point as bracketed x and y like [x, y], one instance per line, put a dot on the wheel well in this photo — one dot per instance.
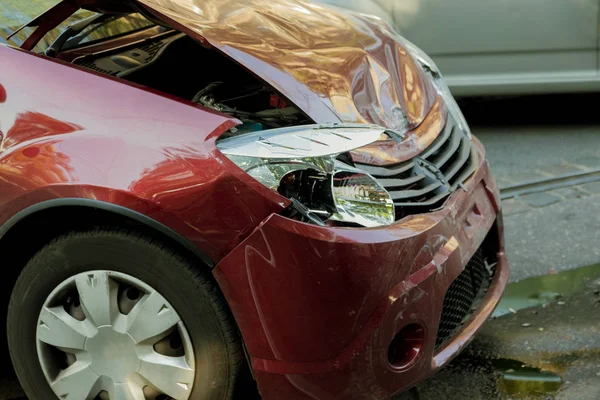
[20, 243]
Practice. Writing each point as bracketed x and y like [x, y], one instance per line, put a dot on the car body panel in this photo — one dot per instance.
[501, 47]
[356, 380]
[72, 133]
[365, 291]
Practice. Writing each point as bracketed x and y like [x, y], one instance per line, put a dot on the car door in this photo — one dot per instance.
[503, 46]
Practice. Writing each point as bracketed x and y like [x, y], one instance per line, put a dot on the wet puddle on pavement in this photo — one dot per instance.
[518, 380]
[543, 290]
[522, 381]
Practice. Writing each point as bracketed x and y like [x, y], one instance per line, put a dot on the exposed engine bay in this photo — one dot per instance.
[174, 63]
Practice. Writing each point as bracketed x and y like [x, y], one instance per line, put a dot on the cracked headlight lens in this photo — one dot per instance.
[303, 164]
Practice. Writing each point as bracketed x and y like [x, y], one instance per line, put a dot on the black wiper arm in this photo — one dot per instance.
[73, 30]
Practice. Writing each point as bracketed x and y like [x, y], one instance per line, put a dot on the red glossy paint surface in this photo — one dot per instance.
[357, 379]
[322, 305]
[70, 133]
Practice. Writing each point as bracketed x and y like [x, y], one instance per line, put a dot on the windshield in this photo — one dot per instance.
[15, 13]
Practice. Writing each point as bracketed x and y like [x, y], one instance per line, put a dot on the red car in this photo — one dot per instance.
[194, 189]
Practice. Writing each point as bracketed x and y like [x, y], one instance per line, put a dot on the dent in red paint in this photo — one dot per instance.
[388, 151]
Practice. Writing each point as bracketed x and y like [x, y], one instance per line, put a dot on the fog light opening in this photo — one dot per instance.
[406, 346]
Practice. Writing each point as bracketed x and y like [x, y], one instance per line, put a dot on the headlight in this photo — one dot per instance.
[429, 67]
[303, 164]
[360, 199]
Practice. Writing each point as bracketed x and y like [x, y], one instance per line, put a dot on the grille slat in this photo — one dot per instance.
[462, 156]
[431, 202]
[467, 169]
[461, 297]
[406, 194]
[416, 184]
[400, 182]
[448, 151]
[387, 171]
[440, 140]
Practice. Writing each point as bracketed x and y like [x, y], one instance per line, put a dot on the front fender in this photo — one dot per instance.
[71, 133]
[197, 197]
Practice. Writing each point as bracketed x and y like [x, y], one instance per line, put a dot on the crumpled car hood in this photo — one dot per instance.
[334, 65]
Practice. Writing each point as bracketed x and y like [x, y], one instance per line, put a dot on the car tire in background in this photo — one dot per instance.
[64, 340]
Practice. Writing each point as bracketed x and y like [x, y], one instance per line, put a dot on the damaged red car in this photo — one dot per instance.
[193, 192]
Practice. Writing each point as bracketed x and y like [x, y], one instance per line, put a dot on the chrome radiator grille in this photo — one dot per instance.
[429, 178]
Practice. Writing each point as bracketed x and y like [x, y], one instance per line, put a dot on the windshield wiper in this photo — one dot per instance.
[74, 30]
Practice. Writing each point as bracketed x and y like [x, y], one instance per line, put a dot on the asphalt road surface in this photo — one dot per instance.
[540, 137]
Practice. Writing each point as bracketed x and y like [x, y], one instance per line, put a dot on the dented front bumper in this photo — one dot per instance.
[319, 307]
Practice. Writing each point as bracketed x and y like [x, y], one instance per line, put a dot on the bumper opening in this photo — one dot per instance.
[406, 346]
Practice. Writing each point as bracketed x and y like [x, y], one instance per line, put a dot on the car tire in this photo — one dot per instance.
[187, 288]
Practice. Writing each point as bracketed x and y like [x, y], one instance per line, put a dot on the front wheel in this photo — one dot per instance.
[111, 315]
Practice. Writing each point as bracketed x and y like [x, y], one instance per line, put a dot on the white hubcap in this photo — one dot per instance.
[123, 357]
[109, 336]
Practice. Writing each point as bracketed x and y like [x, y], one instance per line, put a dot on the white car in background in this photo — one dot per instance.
[490, 47]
